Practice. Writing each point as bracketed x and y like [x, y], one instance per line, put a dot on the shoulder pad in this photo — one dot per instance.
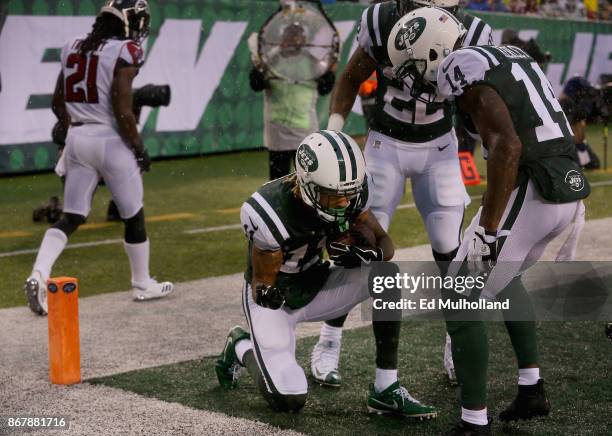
[461, 69]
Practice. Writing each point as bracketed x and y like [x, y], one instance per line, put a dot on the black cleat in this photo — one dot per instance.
[609, 330]
[530, 402]
[468, 429]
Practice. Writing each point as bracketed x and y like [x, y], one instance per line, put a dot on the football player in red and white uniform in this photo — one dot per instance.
[93, 97]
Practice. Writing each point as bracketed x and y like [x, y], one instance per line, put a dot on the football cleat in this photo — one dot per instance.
[154, 289]
[530, 402]
[324, 363]
[609, 330]
[36, 293]
[396, 400]
[468, 429]
[449, 365]
[228, 366]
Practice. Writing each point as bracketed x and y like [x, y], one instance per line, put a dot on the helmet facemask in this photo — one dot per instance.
[135, 17]
[312, 195]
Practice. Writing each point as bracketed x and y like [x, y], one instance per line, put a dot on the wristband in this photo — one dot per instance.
[335, 122]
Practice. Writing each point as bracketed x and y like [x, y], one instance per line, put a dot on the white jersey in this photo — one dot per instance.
[88, 78]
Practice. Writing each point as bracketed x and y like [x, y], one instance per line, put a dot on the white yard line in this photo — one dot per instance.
[212, 229]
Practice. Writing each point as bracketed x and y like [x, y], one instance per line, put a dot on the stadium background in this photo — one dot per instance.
[213, 109]
[165, 351]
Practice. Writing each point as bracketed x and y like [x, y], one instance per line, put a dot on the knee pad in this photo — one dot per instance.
[135, 231]
[69, 222]
[444, 228]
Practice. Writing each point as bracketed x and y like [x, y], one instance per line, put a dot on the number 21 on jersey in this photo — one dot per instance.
[86, 69]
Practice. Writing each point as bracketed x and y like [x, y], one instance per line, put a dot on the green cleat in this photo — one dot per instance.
[228, 366]
[397, 401]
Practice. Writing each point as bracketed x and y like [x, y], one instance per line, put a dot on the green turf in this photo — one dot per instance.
[212, 188]
[580, 390]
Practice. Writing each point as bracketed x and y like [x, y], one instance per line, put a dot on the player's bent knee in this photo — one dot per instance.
[443, 229]
[69, 222]
[135, 231]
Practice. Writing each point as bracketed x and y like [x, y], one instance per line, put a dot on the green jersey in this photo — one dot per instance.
[541, 125]
[274, 218]
[397, 114]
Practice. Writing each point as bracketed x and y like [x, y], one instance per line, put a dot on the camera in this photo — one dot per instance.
[150, 95]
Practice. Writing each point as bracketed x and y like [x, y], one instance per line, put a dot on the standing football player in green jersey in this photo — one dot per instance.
[408, 138]
[287, 222]
[534, 190]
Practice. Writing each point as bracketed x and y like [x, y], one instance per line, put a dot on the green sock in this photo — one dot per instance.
[522, 333]
[470, 356]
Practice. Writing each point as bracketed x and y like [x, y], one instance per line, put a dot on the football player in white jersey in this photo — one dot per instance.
[93, 96]
[407, 139]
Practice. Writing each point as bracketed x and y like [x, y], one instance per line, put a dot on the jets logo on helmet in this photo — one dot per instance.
[436, 36]
[331, 163]
[407, 35]
[307, 158]
[134, 14]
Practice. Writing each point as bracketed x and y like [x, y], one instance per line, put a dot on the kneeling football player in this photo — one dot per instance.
[287, 222]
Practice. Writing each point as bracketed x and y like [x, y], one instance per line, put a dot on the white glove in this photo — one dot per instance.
[483, 250]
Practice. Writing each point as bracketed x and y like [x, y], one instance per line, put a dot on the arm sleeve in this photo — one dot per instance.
[255, 229]
[132, 54]
[459, 70]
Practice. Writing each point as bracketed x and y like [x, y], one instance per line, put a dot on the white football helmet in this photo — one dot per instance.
[418, 44]
[405, 6]
[330, 162]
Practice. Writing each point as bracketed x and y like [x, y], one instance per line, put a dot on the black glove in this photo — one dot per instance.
[269, 297]
[143, 160]
[351, 256]
[325, 83]
[257, 80]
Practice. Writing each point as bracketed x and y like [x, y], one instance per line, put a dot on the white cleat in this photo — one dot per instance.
[449, 365]
[36, 292]
[153, 290]
[324, 363]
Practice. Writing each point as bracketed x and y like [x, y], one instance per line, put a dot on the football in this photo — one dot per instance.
[358, 234]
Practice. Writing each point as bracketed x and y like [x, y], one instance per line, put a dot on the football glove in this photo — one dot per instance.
[351, 256]
[269, 297]
[143, 160]
[483, 250]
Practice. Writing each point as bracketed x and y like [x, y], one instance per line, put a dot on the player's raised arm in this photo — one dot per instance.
[121, 96]
[492, 120]
[358, 69]
[58, 104]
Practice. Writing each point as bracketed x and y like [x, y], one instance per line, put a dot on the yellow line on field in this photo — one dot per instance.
[94, 226]
[16, 234]
[170, 217]
[230, 210]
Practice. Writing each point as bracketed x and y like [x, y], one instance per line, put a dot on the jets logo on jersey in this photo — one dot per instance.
[575, 180]
[409, 34]
[307, 158]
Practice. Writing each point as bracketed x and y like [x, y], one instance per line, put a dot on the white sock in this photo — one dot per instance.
[478, 417]
[139, 262]
[329, 333]
[51, 247]
[242, 347]
[528, 376]
[384, 379]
